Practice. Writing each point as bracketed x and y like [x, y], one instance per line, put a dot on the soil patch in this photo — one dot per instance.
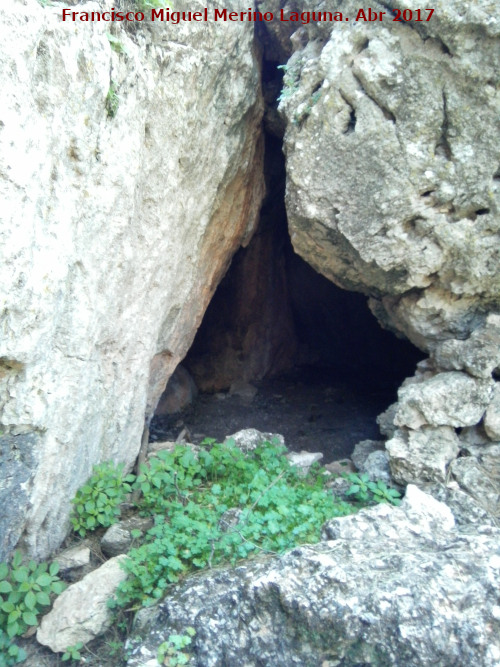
[311, 408]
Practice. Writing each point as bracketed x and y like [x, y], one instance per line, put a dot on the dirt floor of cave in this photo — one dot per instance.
[314, 411]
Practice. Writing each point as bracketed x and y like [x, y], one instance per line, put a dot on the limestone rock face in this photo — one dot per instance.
[393, 184]
[350, 600]
[393, 190]
[453, 399]
[129, 177]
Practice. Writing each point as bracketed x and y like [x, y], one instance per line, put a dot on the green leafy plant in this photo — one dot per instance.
[115, 43]
[112, 100]
[73, 653]
[364, 490]
[97, 503]
[10, 653]
[191, 496]
[359, 487]
[291, 78]
[171, 652]
[25, 592]
[145, 5]
[384, 494]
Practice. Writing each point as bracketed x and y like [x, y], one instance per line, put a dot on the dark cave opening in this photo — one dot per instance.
[283, 350]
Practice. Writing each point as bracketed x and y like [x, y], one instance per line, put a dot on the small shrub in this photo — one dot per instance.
[25, 592]
[97, 503]
[188, 494]
[10, 653]
[115, 43]
[73, 653]
[171, 652]
[112, 100]
[365, 491]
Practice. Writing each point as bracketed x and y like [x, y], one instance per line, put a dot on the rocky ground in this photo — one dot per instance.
[314, 411]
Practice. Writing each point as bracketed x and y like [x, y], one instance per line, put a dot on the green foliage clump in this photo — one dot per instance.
[145, 5]
[25, 592]
[73, 653]
[97, 503]
[291, 78]
[171, 652]
[366, 491]
[10, 653]
[112, 100]
[187, 494]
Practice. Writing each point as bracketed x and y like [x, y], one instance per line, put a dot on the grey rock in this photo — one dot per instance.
[19, 458]
[243, 389]
[80, 613]
[73, 558]
[478, 481]
[363, 449]
[376, 466]
[388, 587]
[118, 538]
[340, 466]
[465, 509]
[304, 460]
[479, 355]
[492, 416]
[474, 435]
[384, 194]
[249, 439]
[385, 421]
[115, 230]
[418, 457]
[446, 399]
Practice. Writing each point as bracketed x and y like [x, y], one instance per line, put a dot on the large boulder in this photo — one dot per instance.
[393, 190]
[393, 185]
[388, 586]
[130, 172]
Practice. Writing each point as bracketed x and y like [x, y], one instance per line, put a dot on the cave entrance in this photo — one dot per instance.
[283, 350]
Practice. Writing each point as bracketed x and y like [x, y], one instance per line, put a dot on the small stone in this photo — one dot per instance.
[118, 538]
[73, 558]
[340, 466]
[363, 449]
[417, 457]
[304, 460]
[492, 416]
[81, 613]
[249, 439]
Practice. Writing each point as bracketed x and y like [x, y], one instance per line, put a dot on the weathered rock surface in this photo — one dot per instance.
[393, 190]
[74, 558]
[81, 613]
[118, 538]
[389, 586]
[249, 439]
[492, 416]
[180, 392]
[304, 460]
[129, 178]
[447, 399]
[422, 456]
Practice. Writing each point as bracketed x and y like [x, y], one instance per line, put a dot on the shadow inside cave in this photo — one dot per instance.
[322, 365]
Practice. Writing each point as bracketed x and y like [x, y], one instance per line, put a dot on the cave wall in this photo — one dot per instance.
[248, 331]
[117, 225]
